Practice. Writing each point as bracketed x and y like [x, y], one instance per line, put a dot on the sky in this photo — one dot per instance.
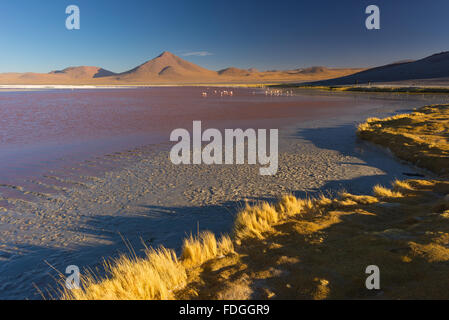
[118, 35]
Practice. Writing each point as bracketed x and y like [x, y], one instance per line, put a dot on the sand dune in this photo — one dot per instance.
[168, 68]
[432, 67]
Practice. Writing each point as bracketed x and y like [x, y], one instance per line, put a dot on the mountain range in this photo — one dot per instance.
[169, 68]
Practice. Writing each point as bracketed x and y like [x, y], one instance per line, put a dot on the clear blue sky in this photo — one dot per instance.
[118, 35]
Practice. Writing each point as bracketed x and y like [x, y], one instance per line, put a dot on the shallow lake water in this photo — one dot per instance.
[47, 129]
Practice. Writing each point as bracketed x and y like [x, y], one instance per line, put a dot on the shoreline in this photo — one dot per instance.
[376, 88]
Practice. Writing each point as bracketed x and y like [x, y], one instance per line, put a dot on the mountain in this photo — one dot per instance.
[165, 67]
[432, 67]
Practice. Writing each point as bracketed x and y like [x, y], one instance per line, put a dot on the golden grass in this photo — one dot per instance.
[151, 278]
[421, 137]
[432, 252]
[198, 250]
[383, 192]
[402, 185]
[154, 277]
[253, 222]
[356, 199]
[320, 250]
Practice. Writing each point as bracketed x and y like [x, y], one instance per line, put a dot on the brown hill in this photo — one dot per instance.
[84, 72]
[236, 72]
[72, 75]
[432, 67]
[166, 67]
[314, 70]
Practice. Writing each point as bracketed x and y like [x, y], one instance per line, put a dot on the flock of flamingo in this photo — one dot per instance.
[222, 93]
[279, 93]
[268, 92]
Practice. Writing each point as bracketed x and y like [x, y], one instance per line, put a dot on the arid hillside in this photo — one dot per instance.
[432, 68]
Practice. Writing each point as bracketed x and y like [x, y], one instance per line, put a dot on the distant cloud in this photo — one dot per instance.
[197, 53]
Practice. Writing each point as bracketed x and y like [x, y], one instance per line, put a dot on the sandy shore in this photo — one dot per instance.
[79, 219]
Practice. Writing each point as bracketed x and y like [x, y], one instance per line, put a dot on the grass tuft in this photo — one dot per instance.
[404, 185]
[205, 247]
[155, 277]
[254, 221]
[151, 278]
[383, 192]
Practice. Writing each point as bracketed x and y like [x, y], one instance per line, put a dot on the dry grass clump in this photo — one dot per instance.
[404, 185]
[356, 199]
[383, 192]
[290, 206]
[151, 278]
[198, 250]
[421, 137]
[432, 252]
[252, 222]
[155, 277]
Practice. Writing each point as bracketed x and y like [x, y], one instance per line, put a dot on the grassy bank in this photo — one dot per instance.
[370, 89]
[417, 90]
[314, 248]
[319, 249]
[421, 137]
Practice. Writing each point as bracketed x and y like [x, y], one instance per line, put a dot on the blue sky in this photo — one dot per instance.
[118, 35]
